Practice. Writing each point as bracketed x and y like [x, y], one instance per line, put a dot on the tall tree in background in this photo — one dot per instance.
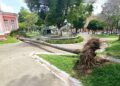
[111, 14]
[55, 12]
[27, 20]
[38, 6]
[95, 25]
[59, 13]
[30, 21]
[78, 14]
[23, 12]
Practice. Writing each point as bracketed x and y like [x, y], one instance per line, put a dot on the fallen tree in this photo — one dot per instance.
[75, 51]
[87, 58]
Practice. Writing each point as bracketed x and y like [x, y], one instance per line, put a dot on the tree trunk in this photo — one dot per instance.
[76, 30]
[119, 37]
[39, 43]
[59, 32]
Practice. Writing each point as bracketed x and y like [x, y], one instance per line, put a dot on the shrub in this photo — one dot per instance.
[66, 41]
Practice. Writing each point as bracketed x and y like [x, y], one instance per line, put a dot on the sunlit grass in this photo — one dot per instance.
[114, 49]
[9, 39]
[104, 75]
[106, 35]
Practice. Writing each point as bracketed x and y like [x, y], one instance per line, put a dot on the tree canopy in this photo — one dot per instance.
[95, 25]
[26, 19]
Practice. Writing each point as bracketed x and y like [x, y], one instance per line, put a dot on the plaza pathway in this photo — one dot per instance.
[17, 68]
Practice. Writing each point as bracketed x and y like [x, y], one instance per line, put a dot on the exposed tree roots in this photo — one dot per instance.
[87, 57]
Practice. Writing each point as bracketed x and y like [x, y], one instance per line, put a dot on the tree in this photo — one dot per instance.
[22, 26]
[87, 59]
[59, 13]
[39, 6]
[78, 24]
[111, 14]
[54, 12]
[95, 25]
[78, 14]
[30, 20]
[23, 12]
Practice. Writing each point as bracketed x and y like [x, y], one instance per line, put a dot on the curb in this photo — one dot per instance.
[69, 81]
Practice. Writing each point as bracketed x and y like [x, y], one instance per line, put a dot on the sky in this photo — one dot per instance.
[12, 5]
[15, 5]
[98, 6]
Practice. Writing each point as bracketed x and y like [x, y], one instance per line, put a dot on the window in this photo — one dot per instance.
[13, 24]
[6, 25]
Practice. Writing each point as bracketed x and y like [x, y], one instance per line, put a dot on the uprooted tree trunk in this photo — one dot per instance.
[87, 57]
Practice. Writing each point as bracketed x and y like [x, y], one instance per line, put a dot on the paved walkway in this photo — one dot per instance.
[85, 36]
[17, 68]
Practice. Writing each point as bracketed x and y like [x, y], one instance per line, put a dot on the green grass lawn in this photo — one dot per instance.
[66, 41]
[106, 36]
[104, 75]
[9, 39]
[114, 49]
[61, 61]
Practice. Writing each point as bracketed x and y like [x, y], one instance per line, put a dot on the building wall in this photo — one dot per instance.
[8, 23]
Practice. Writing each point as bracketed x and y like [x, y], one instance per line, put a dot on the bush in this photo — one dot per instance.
[66, 41]
[96, 25]
[18, 32]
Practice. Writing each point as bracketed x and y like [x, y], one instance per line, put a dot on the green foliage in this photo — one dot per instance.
[56, 15]
[106, 35]
[66, 41]
[39, 22]
[22, 14]
[27, 22]
[59, 10]
[95, 25]
[78, 14]
[114, 49]
[106, 75]
[30, 20]
[9, 39]
[35, 6]
[19, 32]
[79, 24]
[89, 9]
[22, 26]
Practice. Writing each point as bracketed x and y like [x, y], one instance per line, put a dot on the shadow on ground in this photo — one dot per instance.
[41, 80]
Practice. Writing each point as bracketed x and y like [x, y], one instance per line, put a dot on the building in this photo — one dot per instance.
[8, 23]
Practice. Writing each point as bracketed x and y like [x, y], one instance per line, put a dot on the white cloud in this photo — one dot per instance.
[22, 2]
[5, 7]
[98, 6]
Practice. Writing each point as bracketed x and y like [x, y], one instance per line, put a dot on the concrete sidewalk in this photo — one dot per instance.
[17, 68]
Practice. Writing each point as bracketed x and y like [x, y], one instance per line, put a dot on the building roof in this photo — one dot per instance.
[7, 13]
